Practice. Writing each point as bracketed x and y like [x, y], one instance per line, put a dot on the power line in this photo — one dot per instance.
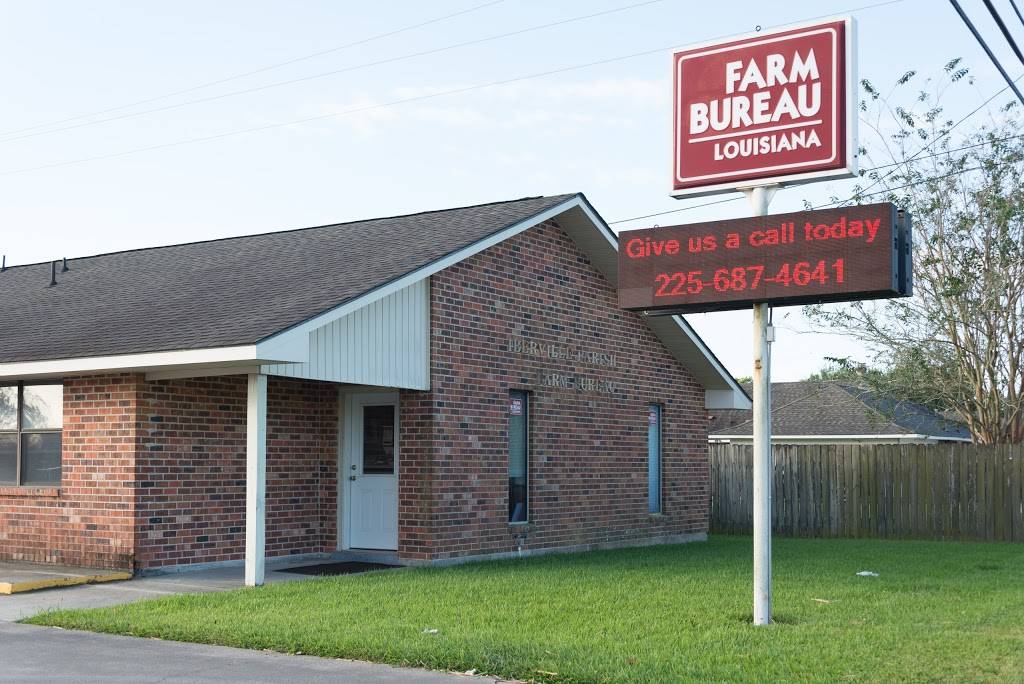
[914, 183]
[269, 67]
[988, 51]
[932, 179]
[334, 72]
[356, 110]
[861, 194]
[674, 211]
[331, 115]
[1005, 31]
[937, 138]
[1016, 10]
[943, 152]
[946, 132]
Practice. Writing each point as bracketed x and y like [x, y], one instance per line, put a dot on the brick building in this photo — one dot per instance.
[424, 388]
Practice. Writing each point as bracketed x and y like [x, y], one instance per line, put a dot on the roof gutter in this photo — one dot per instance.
[243, 358]
[899, 436]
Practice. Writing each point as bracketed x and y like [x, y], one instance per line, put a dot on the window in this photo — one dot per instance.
[654, 458]
[379, 440]
[518, 455]
[31, 418]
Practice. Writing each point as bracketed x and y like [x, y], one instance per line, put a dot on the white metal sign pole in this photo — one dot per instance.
[761, 379]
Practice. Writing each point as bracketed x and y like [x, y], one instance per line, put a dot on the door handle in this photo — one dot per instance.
[352, 477]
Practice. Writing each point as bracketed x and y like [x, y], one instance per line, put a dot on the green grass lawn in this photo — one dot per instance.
[950, 612]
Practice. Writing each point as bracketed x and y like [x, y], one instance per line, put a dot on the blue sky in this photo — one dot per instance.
[603, 130]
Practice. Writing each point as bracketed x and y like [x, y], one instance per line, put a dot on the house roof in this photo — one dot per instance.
[227, 292]
[246, 302]
[807, 409]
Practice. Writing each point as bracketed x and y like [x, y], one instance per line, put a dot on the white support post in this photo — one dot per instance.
[255, 480]
[761, 380]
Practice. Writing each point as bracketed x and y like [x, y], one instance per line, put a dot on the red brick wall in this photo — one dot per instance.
[588, 461]
[153, 474]
[302, 466]
[191, 470]
[190, 501]
[88, 520]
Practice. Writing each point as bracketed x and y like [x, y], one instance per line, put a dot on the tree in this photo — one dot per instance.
[958, 343]
[898, 382]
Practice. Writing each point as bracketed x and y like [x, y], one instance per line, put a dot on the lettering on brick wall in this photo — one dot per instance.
[560, 352]
[577, 383]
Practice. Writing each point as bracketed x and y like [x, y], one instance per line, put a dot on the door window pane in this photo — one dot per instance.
[9, 408]
[518, 456]
[9, 458]
[654, 458]
[42, 407]
[40, 458]
[379, 440]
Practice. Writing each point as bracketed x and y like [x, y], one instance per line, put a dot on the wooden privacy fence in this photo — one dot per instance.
[958, 491]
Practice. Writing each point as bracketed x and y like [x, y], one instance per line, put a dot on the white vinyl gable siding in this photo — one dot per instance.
[385, 343]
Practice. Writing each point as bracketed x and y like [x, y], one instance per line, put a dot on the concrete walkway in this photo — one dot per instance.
[44, 654]
[17, 577]
[18, 606]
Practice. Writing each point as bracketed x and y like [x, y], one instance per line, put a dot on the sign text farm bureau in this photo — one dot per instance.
[832, 255]
[764, 107]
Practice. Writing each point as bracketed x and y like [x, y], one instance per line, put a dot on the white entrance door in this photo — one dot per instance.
[372, 471]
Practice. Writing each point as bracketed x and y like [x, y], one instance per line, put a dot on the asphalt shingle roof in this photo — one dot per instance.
[228, 292]
[835, 408]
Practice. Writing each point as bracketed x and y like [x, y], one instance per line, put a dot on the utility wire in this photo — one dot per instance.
[1005, 31]
[675, 211]
[253, 72]
[356, 110]
[944, 134]
[943, 152]
[332, 115]
[830, 204]
[334, 72]
[917, 182]
[988, 51]
[839, 202]
[1016, 10]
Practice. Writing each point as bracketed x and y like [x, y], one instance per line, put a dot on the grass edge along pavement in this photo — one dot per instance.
[938, 611]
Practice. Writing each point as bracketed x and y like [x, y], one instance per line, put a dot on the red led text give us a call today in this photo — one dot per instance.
[786, 233]
[820, 255]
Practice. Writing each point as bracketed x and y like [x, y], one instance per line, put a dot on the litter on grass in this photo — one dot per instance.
[430, 631]
[867, 573]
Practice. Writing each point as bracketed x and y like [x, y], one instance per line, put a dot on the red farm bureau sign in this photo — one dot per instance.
[766, 108]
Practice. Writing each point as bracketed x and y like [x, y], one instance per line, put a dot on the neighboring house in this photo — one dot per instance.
[421, 389]
[837, 413]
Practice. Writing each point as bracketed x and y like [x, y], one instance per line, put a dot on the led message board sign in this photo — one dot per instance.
[775, 106]
[829, 255]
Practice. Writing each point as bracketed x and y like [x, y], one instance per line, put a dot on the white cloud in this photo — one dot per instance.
[642, 177]
[549, 108]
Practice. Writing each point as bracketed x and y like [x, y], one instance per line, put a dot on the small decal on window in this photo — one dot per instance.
[652, 417]
[516, 407]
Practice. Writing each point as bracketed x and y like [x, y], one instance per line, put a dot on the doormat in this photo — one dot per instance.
[343, 568]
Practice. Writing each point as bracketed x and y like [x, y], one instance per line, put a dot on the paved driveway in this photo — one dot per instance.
[45, 654]
[55, 656]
